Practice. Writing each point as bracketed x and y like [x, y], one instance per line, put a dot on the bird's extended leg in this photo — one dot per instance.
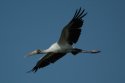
[90, 51]
[77, 50]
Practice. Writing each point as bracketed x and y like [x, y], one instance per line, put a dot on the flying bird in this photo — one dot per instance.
[69, 36]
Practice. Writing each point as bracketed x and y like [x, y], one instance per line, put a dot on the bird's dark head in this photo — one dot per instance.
[38, 51]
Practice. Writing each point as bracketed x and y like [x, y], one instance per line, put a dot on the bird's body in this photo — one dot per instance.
[59, 48]
[69, 36]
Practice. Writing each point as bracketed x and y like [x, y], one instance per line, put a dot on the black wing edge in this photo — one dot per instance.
[33, 70]
[77, 21]
[46, 60]
[79, 14]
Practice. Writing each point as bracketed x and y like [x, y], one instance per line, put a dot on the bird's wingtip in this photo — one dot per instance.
[34, 70]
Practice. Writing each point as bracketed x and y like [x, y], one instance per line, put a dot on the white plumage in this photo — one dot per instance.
[59, 48]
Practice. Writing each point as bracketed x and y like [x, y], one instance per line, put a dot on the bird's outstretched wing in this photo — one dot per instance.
[72, 30]
[46, 60]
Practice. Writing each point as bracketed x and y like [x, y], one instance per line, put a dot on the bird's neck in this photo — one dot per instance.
[44, 51]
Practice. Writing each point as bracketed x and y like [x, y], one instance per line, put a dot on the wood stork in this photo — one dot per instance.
[68, 38]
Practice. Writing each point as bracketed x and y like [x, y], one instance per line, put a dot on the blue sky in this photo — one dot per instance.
[26, 25]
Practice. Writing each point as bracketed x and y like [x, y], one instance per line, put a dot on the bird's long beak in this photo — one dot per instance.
[32, 53]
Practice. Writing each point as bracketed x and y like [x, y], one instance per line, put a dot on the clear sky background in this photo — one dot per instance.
[26, 25]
